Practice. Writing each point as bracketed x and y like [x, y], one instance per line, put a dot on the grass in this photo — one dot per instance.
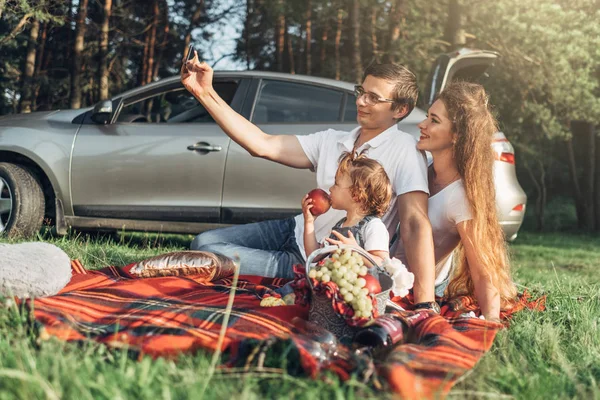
[554, 354]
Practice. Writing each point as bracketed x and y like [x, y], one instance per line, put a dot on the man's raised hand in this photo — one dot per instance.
[196, 76]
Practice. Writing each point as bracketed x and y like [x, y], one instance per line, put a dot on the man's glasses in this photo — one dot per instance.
[370, 99]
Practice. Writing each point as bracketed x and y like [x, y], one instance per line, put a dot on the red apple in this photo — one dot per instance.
[320, 201]
[372, 284]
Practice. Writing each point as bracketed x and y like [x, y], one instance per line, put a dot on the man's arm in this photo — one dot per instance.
[416, 235]
[284, 149]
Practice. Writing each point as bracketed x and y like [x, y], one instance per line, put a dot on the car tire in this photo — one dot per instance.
[21, 192]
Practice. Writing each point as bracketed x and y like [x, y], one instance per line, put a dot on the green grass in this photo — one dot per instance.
[554, 354]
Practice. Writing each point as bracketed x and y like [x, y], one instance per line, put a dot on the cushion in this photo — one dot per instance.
[208, 265]
[33, 269]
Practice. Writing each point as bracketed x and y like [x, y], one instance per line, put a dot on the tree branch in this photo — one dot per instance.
[222, 57]
[17, 29]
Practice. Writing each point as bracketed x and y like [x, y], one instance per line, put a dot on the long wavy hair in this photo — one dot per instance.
[474, 125]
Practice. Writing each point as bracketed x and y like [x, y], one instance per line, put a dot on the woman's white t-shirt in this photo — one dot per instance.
[446, 209]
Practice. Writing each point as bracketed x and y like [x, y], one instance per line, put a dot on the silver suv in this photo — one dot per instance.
[153, 159]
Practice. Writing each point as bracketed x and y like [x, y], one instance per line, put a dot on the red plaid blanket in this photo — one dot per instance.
[169, 315]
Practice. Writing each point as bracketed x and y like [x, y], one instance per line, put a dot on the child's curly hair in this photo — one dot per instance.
[370, 184]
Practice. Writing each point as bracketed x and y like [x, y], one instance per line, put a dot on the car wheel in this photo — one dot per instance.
[21, 202]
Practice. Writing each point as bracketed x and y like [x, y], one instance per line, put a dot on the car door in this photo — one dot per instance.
[256, 189]
[464, 65]
[162, 158]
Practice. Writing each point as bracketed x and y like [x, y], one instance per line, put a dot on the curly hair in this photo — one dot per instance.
[474, 125]
[371, 186]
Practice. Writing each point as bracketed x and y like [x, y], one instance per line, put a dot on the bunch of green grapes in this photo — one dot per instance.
[348, 271]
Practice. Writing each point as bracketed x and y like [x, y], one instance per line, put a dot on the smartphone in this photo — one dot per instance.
[190, 53]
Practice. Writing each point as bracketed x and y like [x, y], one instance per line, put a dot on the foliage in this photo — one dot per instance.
[548, 75]
[547, 78]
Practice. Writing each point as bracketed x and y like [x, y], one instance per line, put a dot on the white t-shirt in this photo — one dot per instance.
[394, 149]
[446, 209]
[375, 236]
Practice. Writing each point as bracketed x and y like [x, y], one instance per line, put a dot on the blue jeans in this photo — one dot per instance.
[265, 248]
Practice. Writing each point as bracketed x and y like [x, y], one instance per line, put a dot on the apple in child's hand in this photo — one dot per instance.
[320, 201]
[372, 285]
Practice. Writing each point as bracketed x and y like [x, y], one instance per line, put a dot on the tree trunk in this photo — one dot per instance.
[152, 42]
[541, 193]
[597, 185]
[15, 102]
[356, 56]
[589, 178]
[374, 43]
[338, 37]
[280, 36]
[42, 96]
[454, 33]
[144, 62]
[309, 38]
[544, 196]
[103, 52]
[585, 140]
[117, 71]
[75, 98]
[165, 41]
[290, 50]
[394, 30]
[249, 12]
[27, 88]
[41, 49]
[579, 206]
[68, 21]
[300, 51]
[90, 93]
[195, 20]
[39, 60]
[323, 47]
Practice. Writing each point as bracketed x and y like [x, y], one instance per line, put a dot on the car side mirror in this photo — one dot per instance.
[102, 112]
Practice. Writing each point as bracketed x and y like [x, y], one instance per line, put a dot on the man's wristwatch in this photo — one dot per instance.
[428, 305]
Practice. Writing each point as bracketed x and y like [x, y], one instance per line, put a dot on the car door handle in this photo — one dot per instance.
[204, 147]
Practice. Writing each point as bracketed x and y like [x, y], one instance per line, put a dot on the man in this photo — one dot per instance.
[270, 248]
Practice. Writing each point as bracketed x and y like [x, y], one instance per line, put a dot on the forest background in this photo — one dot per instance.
[545, 88]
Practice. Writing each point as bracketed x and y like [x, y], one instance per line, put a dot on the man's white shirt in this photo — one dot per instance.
[394, 149]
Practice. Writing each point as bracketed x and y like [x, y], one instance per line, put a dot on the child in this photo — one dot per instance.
[362, 189]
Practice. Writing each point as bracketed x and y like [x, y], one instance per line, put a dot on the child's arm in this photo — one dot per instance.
[377, 240]
[310, 238]
[379, 255]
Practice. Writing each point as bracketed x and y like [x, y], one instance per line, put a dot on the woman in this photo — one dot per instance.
[458, 133]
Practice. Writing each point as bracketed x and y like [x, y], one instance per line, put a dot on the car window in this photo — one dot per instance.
[288, 102]
[176, 105]
[350, 110]
[436, 78]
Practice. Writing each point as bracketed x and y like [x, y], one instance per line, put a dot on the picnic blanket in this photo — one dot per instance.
[165, 316]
